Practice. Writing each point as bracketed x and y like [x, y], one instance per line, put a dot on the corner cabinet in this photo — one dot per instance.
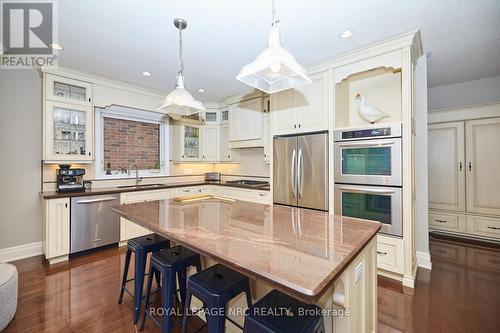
[68, 129]
[56, 230]
[303, 109]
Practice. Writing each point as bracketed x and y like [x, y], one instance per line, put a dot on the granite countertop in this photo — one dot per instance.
[115, 189]
[299, 251]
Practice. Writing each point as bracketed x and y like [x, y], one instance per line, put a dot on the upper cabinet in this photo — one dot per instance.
[246, 124]
[267, 130]
[186, 142]
[68, 129]
[68, 132]
[303, 109]
[210, 143]
[61, 89]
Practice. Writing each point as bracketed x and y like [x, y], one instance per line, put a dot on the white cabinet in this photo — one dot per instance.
[246, 124]
[186, 142]
[210, 143]
[464, 182]
[303, 109]
[129, 229]
[268, 142]
[483, 166]
[226, 154]
[68, 132]
[61, 89]
[56, 236]
[446, 166]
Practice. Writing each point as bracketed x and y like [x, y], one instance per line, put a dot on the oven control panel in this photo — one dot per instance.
[367, 133]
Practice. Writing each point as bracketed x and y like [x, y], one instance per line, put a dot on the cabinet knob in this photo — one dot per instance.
[90, 99]
[470, 166]
[90, 154]
[228, 156]
[66, 205]
[300, 125]
[295, 126]
[182, 156]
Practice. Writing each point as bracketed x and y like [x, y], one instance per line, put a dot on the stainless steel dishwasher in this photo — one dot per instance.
[93, 224]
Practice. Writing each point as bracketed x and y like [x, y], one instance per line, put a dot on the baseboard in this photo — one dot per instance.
[424, 260]
[20, 252]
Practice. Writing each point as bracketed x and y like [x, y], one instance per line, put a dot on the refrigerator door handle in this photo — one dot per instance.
[300, 171]
[294, 178]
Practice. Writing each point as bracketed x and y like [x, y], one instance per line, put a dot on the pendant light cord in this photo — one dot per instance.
[275, 20]
[181, 62]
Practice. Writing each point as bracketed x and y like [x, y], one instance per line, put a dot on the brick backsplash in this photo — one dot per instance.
[127, 140]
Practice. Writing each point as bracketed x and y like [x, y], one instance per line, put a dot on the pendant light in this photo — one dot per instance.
[275, 69]
[179, 102]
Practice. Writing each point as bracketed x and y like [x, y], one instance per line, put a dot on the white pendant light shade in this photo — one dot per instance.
[179, 102]
[275, 69]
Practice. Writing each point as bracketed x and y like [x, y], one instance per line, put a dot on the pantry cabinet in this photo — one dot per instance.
[446, 158]
[483, 165]
[464, 182]
[303, 109]
[56, 230]
[68, 132]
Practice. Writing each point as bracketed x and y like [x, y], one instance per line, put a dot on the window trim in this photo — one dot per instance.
[127, 113]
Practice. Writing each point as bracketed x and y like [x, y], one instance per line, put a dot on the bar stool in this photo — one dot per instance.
[169, 263]
[141, 246]
[215, 286]
[280, 313]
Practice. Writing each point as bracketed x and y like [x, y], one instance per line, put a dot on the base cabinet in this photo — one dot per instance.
[465, 225]
[129, 229]
[56, 230]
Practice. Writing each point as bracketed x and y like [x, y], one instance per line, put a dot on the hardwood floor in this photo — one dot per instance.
[460, 294]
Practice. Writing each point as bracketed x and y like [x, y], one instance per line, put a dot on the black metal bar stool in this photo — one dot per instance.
[141, 246]
[215, 287]
[280, 313]
[169, 263]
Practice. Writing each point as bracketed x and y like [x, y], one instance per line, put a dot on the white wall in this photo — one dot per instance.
[21, 153]
[476, 92]
[421, 167]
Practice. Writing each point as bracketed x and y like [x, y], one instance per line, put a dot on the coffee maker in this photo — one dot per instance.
[70, 180]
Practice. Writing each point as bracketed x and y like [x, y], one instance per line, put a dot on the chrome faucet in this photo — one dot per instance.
[137, 178]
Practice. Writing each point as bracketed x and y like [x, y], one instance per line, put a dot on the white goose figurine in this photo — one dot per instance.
[369, 112]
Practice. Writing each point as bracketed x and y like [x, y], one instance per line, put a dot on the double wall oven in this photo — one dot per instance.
[368, 175]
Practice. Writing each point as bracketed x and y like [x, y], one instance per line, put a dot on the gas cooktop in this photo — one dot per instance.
[247, 182]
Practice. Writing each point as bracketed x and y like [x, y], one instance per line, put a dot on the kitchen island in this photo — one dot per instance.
[311, 255]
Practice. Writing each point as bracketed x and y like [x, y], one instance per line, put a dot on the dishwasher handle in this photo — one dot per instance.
[88, 201]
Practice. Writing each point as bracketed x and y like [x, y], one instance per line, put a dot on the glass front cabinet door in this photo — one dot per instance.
[191, 143]
[68, 132]
[66, 90]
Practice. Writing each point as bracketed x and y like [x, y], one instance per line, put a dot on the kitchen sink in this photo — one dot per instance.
[143, 186]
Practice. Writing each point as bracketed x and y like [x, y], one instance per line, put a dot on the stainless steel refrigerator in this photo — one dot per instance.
[300, 170]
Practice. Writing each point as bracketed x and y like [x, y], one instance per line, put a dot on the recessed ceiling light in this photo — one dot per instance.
[201, 90]
[56, 46]
[146, 73]
[346, 34]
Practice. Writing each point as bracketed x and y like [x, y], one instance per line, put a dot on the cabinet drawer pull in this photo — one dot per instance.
[494, 228]
[470, 166]
[262, 194]
[381, 253]
[441, 221]
[460, 166]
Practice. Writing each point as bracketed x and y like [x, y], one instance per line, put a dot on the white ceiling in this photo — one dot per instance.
[120, 39]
